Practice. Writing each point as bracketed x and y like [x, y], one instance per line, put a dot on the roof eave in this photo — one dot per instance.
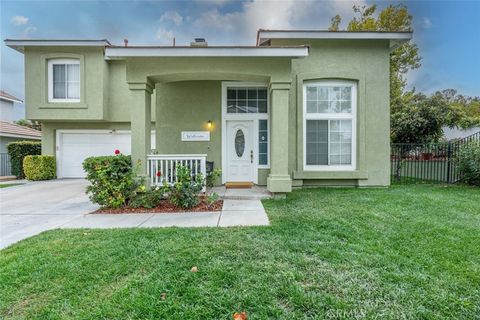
[112, 53]
[20, 44]
[23, 136]
[395, 38]
[12, 100]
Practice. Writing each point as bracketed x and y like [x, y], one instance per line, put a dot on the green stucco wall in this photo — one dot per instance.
[187, 106]
[367, 63]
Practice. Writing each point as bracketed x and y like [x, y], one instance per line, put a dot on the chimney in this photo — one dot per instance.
[199, 42]
[125, 41]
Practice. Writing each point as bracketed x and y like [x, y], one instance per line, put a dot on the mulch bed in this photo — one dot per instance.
[164, 207]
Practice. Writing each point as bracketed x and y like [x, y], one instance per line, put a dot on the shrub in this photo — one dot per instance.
[149, 198]
[468, 162]
[112, 178]
[185, 191]
[19, 150]
[212, 177]
[39, 167]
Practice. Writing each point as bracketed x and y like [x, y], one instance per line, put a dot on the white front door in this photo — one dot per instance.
[240, 151]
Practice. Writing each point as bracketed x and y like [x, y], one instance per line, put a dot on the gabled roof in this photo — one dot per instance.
[8, 97]
[8, 129]
[263, 36]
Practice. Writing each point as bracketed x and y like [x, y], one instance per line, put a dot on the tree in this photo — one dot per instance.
[29, 123]
[403, 58]
[420, 119]
[335, 23]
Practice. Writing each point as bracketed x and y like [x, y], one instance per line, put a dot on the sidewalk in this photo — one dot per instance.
[234, 213]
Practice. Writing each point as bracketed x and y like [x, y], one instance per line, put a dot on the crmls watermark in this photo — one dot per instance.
[345, 314]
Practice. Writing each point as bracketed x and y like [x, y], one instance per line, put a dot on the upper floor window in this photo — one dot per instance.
[329, 125]
[64, 80]
[246, 100]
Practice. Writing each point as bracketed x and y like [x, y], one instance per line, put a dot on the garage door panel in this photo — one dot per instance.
[74, 148]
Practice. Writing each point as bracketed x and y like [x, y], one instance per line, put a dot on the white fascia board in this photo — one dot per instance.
[11, 100]
[125, 52]
[22, 136]
[335, 35]
[19, 45]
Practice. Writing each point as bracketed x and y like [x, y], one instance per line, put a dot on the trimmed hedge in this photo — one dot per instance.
[19, 150]
[39, 167]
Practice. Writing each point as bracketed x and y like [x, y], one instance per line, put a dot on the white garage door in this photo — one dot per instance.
[74, 147]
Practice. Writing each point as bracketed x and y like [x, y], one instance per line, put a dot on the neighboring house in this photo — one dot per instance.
[10, 132]
[6, 106]
[457, 133]
[301, 108]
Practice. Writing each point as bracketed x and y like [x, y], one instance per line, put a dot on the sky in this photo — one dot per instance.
[447, 32]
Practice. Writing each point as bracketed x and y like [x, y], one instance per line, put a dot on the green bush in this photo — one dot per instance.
[149, 198]
[213, 176]
[112, 178]
[19, 150]
[468, 162]
[185, 191]
[39, 167]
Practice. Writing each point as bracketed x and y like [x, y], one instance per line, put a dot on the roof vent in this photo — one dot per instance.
[199, 42]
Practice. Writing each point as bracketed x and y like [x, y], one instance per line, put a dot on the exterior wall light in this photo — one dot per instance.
[209, 124]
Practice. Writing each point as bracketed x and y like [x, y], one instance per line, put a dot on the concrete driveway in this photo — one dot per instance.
[29, 209]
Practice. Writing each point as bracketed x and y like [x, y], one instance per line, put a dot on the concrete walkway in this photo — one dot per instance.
[29, 209]
[234, 213]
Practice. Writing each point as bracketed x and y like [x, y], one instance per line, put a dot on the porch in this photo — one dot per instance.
[196, 122]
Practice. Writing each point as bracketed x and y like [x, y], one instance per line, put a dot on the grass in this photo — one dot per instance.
[6, 185]
[399, 253]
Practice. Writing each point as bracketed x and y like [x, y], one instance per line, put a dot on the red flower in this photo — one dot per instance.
[159, 173]
[117, 151]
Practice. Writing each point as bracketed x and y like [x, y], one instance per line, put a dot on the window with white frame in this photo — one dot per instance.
[64, 80]
[246, 100]
[329, 125]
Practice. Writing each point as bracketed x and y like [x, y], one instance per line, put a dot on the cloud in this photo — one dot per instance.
[173, 16]
[426, 23]
[28, 31]
[241, 25]
[165, 36]
[19, 20]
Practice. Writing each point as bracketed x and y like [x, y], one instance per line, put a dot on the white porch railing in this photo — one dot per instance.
[166, 164]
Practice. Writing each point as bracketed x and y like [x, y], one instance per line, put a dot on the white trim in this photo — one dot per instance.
[50, 63]
[246, 117]
[265, 35]
[19, 45]
[123, 52]
[23, 136]
[10, 100]
[331, 116]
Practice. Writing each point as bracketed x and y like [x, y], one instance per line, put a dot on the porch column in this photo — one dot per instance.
[140, 121]
[279, 180]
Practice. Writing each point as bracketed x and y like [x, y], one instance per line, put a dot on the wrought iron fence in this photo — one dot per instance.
[5, 168]
[428, 163]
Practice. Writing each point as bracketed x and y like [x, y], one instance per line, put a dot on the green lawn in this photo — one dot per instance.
[6, 185]
[399, 253]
